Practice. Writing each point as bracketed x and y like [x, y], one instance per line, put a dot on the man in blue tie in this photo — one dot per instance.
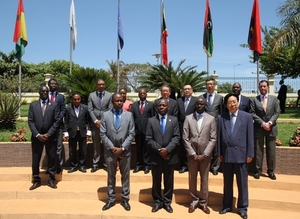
[235, 150]
[162, 137]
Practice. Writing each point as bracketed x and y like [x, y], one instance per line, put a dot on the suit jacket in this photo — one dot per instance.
[156, 140]
[282, 92]
[96, 112]
[200, 141]
[72, 122]
[60, 99]
[141, 120]
[260, 116]
[49, 123]
[216, 107]
[244, 104]
[235, 147]
[173, 108]
[181, 112]
[117, 137]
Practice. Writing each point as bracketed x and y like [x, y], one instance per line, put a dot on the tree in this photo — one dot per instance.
[174, 77]
[113, 71]
[134, 74]
[224, 88]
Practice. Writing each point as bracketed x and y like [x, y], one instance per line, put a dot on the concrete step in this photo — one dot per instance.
[91, 209]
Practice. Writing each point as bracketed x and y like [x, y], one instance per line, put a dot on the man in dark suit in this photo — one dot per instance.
[98, 102]
[142, 110]
[265, 111]
[282, 95]
[165, 94]
[199, 136]
[77, 128]
[43, 120]
[162, 136]
[214, 107]
[54, 96]
[235, 151]
[117, 133]
[244, 102]
[186, 106]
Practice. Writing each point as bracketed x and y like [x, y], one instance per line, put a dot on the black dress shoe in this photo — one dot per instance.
[214, 172]
[108, 205]
[52, 185]
[243, 215]
[59, 170]
[104, 165]
[271, 175]
[168, 208]
[225, 210]
[82, 169]
[257, 175]
[94, 169]
[156, 207]
[147, 170]
[72, 169]
[183, 169]
[137, 169]
[35, 185]
[125, 205]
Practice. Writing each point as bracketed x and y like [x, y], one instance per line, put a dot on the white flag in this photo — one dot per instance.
[72, 23]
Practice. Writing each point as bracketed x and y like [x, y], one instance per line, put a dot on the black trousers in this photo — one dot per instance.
[81, 141]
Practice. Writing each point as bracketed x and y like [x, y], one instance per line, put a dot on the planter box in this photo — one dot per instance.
[18, 154]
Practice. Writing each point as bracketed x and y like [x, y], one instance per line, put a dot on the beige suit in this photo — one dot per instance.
[199, 141]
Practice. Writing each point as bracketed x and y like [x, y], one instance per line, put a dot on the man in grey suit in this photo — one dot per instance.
[214, 107]
[117, 133]
[43, 121]
[77, 128]
[165, 94]
[98, 103]
[162, 136]
[265, 111]
[235, 151]
[199, 137]
[142, 110]
[54, 96]
[186, 106]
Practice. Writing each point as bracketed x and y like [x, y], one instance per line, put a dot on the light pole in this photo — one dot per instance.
[157, 56]
[234, 71]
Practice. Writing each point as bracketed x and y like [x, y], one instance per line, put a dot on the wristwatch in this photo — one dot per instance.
[123, 149]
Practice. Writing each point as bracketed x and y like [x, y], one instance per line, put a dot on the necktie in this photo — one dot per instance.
[264, 103]
[142, 107]
[162, 124]
[100, 99]
[117, 120]
[43, 107]
[52, 97]
[186, 103]
[232, 121]
[209, 100]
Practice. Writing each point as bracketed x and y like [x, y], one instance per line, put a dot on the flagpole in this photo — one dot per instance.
[160, 31]
[257, 74]
[207, 65]
[20, 85]
[71, 48]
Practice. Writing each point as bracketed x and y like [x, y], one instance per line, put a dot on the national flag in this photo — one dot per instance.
[20, 34]
[72, 23]
[120, 29]
[208, 41]
[254, 36]
[164, 35]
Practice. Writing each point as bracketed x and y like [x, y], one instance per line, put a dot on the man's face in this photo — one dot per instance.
[187, 91]
[117, 101]
[232, 104]
[44, 92]
[200, 105]
[162, 107]
[210, 86]
[165, 92]
[142, 94]
[263, 88]
[101, 86]
[53, 85]
[76, 100]
[236, 88]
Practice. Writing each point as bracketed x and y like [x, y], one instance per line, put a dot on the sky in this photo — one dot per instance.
[48, 32]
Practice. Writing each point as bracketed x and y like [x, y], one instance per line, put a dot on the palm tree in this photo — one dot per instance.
[176, 78]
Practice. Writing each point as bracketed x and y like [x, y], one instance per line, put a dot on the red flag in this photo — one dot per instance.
[254, 36]
[164, 34]
[208, 41]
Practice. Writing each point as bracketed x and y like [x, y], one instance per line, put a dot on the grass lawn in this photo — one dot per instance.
[285, 130]
[291, 113]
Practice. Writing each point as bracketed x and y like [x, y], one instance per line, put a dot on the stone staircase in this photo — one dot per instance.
[82, 195]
